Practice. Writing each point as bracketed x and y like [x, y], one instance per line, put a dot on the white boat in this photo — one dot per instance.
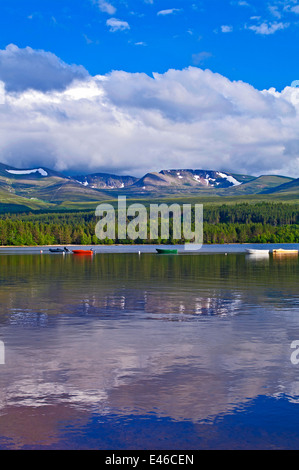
[280, 251]
[252, 251]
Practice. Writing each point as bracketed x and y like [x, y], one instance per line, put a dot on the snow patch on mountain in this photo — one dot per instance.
[28, 172]
[84, 183]
[229, 178]
[208, 180]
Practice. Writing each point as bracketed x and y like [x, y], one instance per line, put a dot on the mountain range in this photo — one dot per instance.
[43, 188]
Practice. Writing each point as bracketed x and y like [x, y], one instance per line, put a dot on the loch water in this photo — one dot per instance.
[128, 350]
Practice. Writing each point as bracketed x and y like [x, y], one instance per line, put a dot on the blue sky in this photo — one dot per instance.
[255, 41]
[131, 86]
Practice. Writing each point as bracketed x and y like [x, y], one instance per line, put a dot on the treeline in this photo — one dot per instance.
[241, 223]
[260, 213]
[19, 233]
[250, 233]
[264, 212]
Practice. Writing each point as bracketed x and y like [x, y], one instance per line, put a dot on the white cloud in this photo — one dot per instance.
[200, 57]
[124, 122]
[171, 11]
[274, 10]
[226, 29]
[268, 28]
[117, 25]
[106, 7]
[21, 69]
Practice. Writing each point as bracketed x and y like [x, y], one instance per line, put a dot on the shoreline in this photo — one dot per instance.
[237, 248]
[144, 245]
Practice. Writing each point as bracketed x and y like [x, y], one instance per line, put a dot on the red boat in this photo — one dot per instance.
[83, 252]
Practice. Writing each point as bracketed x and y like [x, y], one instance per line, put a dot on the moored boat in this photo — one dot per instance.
[166, 251]
[281, 251]
[83, 252]
[59, 250]
[251, 251]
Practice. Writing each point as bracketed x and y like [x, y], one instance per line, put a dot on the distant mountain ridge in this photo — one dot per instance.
[191, 179]
[172, 178]
[41, 186]
[105, 181]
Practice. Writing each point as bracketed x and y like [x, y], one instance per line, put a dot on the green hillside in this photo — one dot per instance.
[289, 187]
[14, 203]
[260, 185]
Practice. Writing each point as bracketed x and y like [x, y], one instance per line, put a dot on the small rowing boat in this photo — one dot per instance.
[165, 251]
[83, 252]
[257, 252]
[281, 251]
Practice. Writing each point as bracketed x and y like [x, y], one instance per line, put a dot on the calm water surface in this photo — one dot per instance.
[129, 351]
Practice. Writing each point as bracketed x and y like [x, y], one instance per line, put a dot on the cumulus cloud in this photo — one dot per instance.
[26, 68]
[274, 10]
[106, 7]
[117, 25]
[268, 28]
[226, 29]
[124, 122]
